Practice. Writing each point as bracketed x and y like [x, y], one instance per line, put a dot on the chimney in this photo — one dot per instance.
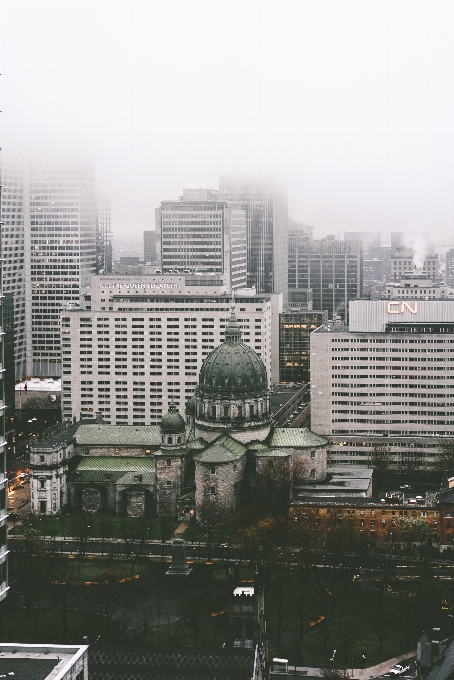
[435, 643]
[98, 417]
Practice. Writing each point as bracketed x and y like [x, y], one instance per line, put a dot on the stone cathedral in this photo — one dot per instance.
[225, 449]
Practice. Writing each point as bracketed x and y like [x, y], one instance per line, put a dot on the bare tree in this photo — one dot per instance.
[444, 466]
[64, 576]
[29, 560]
[134, 533]
[381, 461]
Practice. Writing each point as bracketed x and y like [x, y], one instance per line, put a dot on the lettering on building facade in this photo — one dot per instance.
[399, 307]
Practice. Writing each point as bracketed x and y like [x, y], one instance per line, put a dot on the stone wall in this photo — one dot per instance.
[226, 482]
[309, 465]
[169, 483]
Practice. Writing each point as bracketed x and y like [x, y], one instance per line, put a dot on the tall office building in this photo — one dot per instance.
[369, 239]
[141, 341]
[450, 267]
[386, 379]
[15, 255]
[265, 202]
[149, 247]
[202, 236]
[104, 238]
[332, 269]
[50, 252]
[3, 480]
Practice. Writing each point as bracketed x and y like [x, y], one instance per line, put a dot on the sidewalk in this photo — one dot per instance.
[358, 673]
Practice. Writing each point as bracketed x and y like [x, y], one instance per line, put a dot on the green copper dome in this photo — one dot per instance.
[233, 370]
[173, 422]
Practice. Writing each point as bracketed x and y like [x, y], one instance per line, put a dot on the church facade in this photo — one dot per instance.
[226, 447]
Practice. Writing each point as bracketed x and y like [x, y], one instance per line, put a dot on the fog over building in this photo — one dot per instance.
[265, 202]
[50, 252]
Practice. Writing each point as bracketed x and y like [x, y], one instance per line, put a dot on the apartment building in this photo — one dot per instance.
[3, 480]
[140, 341]
[385, 379]
[403, 260]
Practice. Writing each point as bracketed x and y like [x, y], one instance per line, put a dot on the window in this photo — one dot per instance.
[107, 477]
[312, 454]
[212, 491]
[41, 459]
[212, 470]
[213, 411]
[42, 483]
[138, 479]
[168, 462]
[312, 474]
[168, 484]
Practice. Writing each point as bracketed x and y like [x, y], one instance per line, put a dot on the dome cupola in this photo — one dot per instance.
[233, 387]
[173, 428]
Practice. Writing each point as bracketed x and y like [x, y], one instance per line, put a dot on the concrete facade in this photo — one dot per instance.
[386, 379]
[139, 346]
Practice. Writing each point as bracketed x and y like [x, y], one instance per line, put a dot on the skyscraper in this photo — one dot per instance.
[331, 268]
[202, 236]
[50, 252]
[149, 247]
[265, 202]
[3, 480]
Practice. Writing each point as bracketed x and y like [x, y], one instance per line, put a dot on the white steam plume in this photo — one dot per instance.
[419, 245]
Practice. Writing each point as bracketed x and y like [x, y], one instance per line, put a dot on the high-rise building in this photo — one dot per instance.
[50, 252]
[294, 344]
[369, 239]
[16, 257]
[3, 479]
[332, 269]
[450, 267]
[386, 379]
[143, 339]
[397, 240]
[149, 247]
[265, 202]
[202, 236]
[104, 239]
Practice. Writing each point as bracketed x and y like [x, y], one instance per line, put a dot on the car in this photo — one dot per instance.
[419, 499]
[412, 501]
[404, 487]
[398, 670]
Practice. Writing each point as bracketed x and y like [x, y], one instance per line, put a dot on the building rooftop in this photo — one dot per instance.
[40, 385]
[222, 450]
[341, 480]
[296, 437]
[39, 662]
[122, 470]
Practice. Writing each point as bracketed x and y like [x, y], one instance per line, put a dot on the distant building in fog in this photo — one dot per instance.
[369, 239]
[149, 247]
[265, 202]
[331, 268]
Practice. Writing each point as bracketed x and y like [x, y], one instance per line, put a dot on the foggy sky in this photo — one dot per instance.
[352, 102]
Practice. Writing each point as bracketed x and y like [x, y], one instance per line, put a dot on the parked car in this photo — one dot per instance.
[398, 670]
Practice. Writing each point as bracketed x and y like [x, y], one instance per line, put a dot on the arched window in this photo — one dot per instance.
[251, 410]
[178, 440]
[226, 411]
[169, 440]
[213, 411]
[239, 410]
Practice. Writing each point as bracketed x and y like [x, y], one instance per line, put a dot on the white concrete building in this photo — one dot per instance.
[417, 286]
[141, 341]
[199, 234]
[386, 378]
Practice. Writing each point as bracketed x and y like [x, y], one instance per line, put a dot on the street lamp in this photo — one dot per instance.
[332, 658]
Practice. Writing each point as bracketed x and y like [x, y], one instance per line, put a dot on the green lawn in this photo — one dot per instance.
[114, 527]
